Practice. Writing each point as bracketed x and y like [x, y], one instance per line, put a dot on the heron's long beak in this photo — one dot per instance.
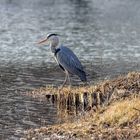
[42, 41]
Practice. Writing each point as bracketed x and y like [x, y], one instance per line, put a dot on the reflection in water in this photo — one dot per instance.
[103, 35]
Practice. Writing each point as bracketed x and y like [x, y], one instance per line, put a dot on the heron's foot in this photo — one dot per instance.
[69, 87]
[60, 88]
[86, 84]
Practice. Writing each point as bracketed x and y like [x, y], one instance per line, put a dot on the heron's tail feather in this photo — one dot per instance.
[82, 76]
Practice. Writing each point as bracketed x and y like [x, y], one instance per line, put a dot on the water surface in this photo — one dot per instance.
[105, 35]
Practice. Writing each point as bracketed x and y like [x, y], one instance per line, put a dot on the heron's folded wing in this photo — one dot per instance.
[69, 60]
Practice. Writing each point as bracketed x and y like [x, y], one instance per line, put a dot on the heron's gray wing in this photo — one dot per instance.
[69, 60]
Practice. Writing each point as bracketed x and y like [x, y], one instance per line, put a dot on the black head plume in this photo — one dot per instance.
[49, 35]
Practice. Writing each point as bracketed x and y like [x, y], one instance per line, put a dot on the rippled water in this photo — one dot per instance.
[104, 34]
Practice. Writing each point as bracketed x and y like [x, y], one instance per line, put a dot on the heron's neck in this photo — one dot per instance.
[53, 48]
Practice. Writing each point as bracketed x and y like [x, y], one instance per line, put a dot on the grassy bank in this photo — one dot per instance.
[117, 114]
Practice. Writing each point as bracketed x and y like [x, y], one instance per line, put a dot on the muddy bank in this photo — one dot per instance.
[117, 113]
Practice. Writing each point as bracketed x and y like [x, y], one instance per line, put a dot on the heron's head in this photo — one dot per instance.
[52, 39]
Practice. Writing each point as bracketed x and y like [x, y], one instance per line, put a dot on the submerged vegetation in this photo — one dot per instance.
[114, 111]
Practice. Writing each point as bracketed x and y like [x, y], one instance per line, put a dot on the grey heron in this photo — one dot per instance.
[65, 58]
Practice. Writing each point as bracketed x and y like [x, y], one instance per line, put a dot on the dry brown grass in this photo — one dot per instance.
[121, 113]
[118, 119]
[121, 120]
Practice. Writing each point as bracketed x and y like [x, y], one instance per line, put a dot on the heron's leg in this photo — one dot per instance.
[69, 80]
[66, 78]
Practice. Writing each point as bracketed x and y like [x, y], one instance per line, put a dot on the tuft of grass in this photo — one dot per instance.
[121, 113]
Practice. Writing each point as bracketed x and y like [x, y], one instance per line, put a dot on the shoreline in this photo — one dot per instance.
[117, 115]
